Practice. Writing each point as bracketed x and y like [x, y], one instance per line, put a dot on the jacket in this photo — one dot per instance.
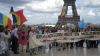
[4, 37]
[20, 40]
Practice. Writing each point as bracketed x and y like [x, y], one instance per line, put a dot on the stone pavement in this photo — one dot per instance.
[69, 52]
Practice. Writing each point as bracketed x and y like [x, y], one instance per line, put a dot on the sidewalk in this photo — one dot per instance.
[68, 52]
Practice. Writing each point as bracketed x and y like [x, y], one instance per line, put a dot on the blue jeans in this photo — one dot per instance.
[88, 42]
[50, 46]
[77, 44]
[45, 47]
[98, 41]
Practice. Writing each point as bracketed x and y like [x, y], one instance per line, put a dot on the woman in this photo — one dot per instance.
[3, 38]
[45, 31]
[22, 40]
[32, 33]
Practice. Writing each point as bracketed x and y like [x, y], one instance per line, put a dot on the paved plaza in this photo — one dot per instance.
[68, 52]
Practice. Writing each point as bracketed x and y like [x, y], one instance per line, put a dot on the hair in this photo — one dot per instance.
[1, 28]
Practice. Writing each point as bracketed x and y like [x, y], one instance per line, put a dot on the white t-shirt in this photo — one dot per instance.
[15, 32]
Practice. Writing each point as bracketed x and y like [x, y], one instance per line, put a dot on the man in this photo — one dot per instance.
[15, 40]
[39, 31]
[60, 30]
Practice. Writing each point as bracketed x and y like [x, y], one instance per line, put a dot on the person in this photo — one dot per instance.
[32, 33]
[46, 46]
[28, 30]
[12, 38]
[3, 36]
[39, 31]
[60, 30]
[15, 40]
[88, 42]
[22, 40]
[54, 30]
[80, 43]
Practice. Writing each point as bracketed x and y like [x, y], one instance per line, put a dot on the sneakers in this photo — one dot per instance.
[64, 48]
[59, 49]
[33, 53]
[16, 52]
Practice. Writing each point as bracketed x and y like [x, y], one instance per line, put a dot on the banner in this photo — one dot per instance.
[46, 39]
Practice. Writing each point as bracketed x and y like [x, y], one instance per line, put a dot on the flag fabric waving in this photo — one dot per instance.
[63, 11]
[81, 24]
[67, 8]
[0, 18]
[19, 17]
[13, 16]
[5, 21]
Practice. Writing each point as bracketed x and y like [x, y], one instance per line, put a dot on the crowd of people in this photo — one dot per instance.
[18, 38]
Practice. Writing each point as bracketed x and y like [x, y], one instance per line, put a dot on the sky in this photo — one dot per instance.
[47, 11]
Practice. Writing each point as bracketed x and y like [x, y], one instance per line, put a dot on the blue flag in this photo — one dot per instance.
[81, 24]
[1, 18]
[67, 4]
[13, 16]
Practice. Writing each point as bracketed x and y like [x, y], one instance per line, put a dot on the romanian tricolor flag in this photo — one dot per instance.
[5, 21]
[19, 17]
[63, 11]
[13, 16]
[67, 4]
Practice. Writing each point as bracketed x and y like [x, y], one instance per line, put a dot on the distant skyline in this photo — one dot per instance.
[47, 11]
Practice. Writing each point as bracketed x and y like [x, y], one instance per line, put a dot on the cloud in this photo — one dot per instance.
[42, 18]
[48, 6]
[17, 2]
[91, 13]
[91, 3]
[46, 11]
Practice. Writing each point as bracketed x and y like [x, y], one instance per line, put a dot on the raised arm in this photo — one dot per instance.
[3, 35]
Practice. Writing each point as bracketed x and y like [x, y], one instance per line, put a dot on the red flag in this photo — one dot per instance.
[9, 24]
[20, 17]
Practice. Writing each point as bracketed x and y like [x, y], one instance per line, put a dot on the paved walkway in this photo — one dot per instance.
[69, 52]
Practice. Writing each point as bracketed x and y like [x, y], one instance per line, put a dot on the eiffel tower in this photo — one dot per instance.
[74, 19]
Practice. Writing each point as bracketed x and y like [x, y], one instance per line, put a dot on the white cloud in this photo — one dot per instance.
[46, 11]
[91, 13]
[91, 3]
[47, 5]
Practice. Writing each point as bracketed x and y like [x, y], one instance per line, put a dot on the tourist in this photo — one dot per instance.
[12, 38]
[60, 30]
[3, 43]
[28, 31]
[46, 46]
[16, 39]
[32, 33]
[39, 31]
[22, 40]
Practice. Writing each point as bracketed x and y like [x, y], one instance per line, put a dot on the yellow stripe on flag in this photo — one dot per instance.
[63, 10]
[5, 20]
[17, 18]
